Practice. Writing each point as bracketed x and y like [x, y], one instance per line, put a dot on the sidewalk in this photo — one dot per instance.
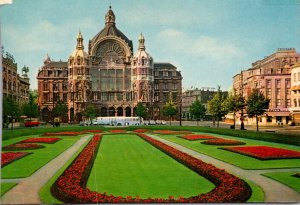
[275, 192]
[27, 191]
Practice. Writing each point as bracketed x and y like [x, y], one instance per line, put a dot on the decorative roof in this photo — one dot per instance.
[110, 29]
[79, 51]
[141, 53]
[164, 66]
[57, 64]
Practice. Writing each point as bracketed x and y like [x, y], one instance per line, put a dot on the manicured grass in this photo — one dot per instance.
[126, 165]
[264, 136]
[26, 166]
[5, 187]
[286, 178]
[45, 193]
[258, 194]
[239, 160]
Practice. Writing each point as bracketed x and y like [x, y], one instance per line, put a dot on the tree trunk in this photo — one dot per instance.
[197, 122]
[170, 119]
[218, 122]
[256, 123]
[140, 121]
[30, 122]
[234, 120]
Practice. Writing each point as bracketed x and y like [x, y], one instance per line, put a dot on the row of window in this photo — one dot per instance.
[296, 77]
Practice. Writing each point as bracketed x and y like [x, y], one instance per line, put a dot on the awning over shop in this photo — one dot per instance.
[278, 113]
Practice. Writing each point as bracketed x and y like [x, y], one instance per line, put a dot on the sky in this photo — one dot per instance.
[209, 41]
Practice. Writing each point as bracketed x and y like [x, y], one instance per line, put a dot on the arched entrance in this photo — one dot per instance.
[120, 111]
[46, 115]
[103, 112]
[127, 112]
[111, 111]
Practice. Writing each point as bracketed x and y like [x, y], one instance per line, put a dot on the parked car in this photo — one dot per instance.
[32, 123]
[163, 122]
[152, 122]
[85, 123]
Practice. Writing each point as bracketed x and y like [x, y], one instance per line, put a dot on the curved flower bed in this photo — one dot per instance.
[70, 186]
[118, 131]
[171, 132]
[9, 157]
[264, 152]
[48, 140]
[21, 146]
[221, 141]
[141, 130]
[198, 137]
[64, 133]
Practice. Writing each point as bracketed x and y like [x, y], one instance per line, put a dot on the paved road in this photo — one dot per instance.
[274, 191]
[27, 191]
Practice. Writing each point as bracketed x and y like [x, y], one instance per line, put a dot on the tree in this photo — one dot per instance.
[60, 110]
[91, 112]
[30, 108]
[197, 110]
[11, 110]
[234, 103]
[257, 104]
[141, 111]
[216, 106]
[169, 109]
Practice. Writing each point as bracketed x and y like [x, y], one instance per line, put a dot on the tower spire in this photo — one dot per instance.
[79, 41]
[142, 42]
[110, 16]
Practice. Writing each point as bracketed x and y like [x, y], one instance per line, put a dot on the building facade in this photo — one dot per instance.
[52, 86]
[112, 77]
[14, 85]
[203, 95]
[295, 94]
[272, 76]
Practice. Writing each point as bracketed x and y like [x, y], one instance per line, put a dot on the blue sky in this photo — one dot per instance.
[209, 41]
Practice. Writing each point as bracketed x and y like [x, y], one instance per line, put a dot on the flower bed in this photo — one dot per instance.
[171, 132]
[9, 157]
[70, 186]
[198, 137]
[21, 146]
[64, 133]
[48, 140]
[118, 131]
[94, 131]
[264, 152]
[141, 130]
[221, 141]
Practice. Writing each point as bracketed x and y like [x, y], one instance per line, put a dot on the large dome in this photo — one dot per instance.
[110, 29]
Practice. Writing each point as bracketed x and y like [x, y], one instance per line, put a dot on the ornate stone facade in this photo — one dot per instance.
[272, 76]
[14, 85]
[295, 94]
[114, 79]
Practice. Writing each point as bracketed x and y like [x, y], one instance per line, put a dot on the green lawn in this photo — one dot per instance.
[126, 165]
[258, 194]
[26, 166]
[239, 160]
[5, 187]
[286, 178]
[45, 193]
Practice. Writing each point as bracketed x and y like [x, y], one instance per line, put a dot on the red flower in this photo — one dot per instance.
[198, 137]
[171, 132]
[47, 140]
[264, 152]
[9, 157]
[21, 146]
[118, 131]
[221, 141]
[141, 130]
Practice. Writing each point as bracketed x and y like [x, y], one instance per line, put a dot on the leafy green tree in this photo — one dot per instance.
[141, 111]
[169, 109]
[60, 109]
[257, 104]
[197, 110]
[11, 111]
[216, 106]
[234, 103]
[91, 112]
[30, 108]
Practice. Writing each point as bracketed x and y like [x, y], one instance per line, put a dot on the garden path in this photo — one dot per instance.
[274, 191]
[27, 191]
